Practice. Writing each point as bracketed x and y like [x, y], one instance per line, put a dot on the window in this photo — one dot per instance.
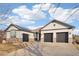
[36, 35]
[13, 33]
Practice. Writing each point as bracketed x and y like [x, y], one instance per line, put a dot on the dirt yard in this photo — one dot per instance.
[8, 48]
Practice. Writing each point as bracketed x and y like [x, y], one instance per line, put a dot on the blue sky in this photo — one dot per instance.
[34, 15]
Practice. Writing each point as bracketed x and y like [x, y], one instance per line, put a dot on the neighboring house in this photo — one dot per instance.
[15, 31]
[55, 31]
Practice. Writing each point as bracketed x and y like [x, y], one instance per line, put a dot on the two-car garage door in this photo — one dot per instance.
[60, 37]
[48, 37]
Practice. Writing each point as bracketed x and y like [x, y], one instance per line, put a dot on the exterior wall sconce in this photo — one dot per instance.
[53, 24]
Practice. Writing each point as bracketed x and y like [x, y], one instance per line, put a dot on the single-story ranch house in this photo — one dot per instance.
[15, 31]
[54, 31]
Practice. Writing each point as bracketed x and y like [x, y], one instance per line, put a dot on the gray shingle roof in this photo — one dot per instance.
[19, 28]
[65, 24]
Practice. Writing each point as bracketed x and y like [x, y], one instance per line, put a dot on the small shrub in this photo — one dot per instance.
[77, 41]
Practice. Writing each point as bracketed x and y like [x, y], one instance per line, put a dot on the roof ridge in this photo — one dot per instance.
[70, 26]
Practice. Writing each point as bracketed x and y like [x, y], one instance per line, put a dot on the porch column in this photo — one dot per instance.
[42, 37]
[54, 37]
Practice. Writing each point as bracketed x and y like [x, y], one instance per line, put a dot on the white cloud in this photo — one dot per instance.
[46, 6]
[62, 14]
[76, 15]
[24, 12]
[18, 20]
[25, 15]
[38, 14]
[43, 7]
[37, 6]
[59, 14]
[76, 31]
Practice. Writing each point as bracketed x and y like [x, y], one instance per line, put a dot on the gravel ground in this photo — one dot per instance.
[47, 49]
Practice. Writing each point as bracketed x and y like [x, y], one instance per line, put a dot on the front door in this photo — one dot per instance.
[25, 37]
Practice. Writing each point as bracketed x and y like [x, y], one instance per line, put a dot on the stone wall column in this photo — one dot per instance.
[54, 37]
[42, 37]
[70, 40]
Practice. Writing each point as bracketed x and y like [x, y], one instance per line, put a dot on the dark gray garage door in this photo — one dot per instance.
[48, 37]
[25, 37]
[62, 37]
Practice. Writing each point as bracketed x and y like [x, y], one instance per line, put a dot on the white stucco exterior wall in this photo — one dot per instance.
[18, 34]
[55, 29]
[51, 26]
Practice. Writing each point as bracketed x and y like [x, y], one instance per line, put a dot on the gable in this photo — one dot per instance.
[16, 27]
[12, 28]
[54, 25]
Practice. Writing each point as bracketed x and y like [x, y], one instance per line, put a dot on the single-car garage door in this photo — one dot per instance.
[48, 37]
[25, 37]
[62, 37]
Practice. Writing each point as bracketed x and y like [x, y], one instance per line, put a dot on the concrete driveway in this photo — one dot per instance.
[47, 49]
[60, 49]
